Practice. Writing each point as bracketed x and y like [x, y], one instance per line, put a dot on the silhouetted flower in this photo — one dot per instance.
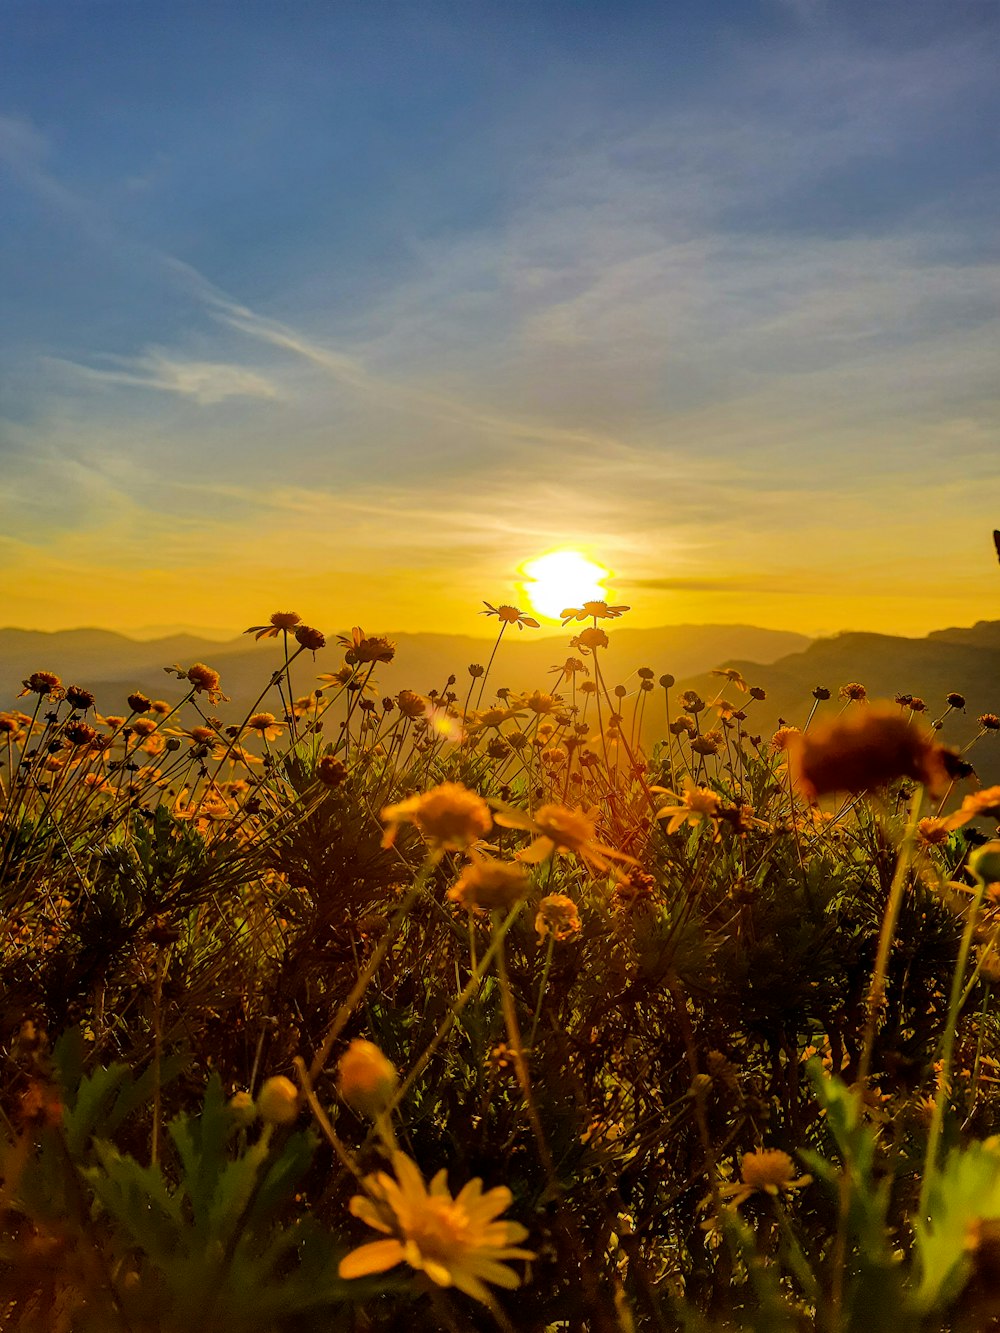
[510, 615]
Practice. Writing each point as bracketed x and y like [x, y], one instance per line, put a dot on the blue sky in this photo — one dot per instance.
[356, 307]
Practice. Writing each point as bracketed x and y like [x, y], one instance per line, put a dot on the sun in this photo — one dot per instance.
[563, 579]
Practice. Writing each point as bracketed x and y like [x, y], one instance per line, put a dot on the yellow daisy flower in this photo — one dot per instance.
[696, 804]
[457, 1241]
[557, 829]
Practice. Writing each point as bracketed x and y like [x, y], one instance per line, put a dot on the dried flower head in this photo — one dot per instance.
[80, 733]
[692, 702]
[43, 683]
[456, 1242]
[308, 637]
[138, 702]
[989, 722]
[331, 772]
[854, 692]
[557, 916]
[79, 698]
[955, 700]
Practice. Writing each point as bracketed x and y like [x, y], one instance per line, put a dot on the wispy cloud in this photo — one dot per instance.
[206, 382]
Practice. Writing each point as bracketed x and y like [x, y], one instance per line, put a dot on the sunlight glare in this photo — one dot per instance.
[563, 579]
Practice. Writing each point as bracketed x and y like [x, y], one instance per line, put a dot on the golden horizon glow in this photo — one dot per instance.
[561, 579]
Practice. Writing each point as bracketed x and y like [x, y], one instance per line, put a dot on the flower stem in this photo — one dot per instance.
[948, 1049]
[876, 992]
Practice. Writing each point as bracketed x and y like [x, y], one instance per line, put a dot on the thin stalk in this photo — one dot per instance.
[486, 673]
[876, 992]
[948, 1049]
[541, 990]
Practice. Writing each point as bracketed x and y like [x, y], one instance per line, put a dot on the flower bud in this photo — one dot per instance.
[242, 1109]
[365, 1078]
[278, 1101]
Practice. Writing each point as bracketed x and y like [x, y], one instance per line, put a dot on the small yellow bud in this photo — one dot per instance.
[242, 1109]
[278, 1101]
[365, 1078]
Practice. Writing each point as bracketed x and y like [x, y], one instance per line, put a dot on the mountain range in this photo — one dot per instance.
[785, 665]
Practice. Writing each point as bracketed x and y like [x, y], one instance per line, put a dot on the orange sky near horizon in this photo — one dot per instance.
[147, 602]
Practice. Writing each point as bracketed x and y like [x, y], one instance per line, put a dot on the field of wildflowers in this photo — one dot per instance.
[464, 1009]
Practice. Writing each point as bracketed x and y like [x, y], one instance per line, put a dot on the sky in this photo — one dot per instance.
[353, 308]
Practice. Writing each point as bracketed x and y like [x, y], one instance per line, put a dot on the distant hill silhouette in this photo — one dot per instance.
[112, 664]
[787, 666]
[966, 661]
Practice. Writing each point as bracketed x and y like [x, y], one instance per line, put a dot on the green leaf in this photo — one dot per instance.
[965, 1191]
[92, 1099]
[138, 1198]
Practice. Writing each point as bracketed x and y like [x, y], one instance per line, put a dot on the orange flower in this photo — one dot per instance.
[984, 803]
[732, 675]
[363, 648]
[855, 692]
[593, 610]
[771, 1171]
[204, 810]
[204, 679]
[266, 725]
[450, 817]
[867, 749]
[539, 702]
[456, 1242]
[510, 615]
[411, 704]
[782, 738]
[280, 620]
[696, 804]
[490, 885]
[558, 829]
